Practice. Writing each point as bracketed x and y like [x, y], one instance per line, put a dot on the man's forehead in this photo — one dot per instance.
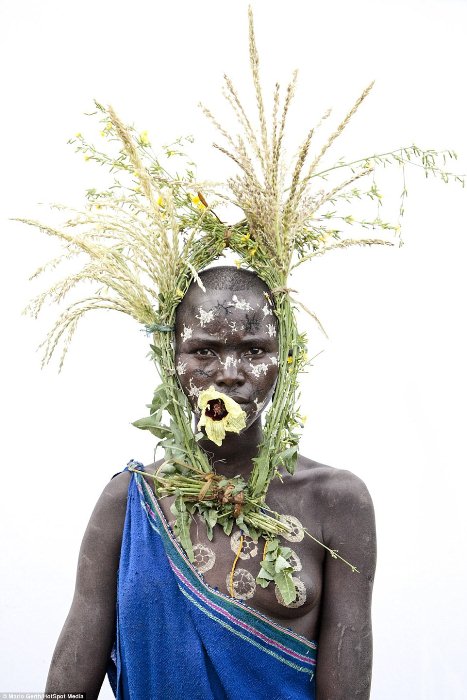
[242, 298]
[225, 311]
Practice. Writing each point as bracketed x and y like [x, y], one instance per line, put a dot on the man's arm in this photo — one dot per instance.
[83, 648]
[345, 639]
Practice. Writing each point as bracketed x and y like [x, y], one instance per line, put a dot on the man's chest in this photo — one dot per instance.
[231, 563]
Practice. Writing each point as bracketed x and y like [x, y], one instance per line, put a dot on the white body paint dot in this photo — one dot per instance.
[300, 597]
[249, 546]
[297, 533]
[244, 585]
[294, 561]
[204, 558]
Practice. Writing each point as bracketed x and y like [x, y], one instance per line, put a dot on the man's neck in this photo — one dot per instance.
[234, 457]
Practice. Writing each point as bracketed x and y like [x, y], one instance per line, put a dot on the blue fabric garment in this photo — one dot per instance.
[178, 638]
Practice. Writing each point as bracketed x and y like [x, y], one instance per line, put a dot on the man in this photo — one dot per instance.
[226, 338]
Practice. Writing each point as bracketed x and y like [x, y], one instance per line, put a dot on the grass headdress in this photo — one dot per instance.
[141, 242]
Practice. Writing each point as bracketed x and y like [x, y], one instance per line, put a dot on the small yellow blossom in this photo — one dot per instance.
[219, 414]
[179, 292]
[78, 134]
[160, 201]
[144, 139]
[238, 263]
[197, 202]
[253, 251]
[86, 157]
[245, 237]
[289, 359]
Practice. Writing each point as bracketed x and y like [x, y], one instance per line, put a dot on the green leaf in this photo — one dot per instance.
[211, 516]
[182, 525]
[153, 424]
[263, 582]
[286, 586]
[227, 526]
[280, 564]
[268, 566]
[266, 575]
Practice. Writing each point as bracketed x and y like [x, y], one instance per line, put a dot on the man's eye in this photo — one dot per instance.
[204, 352]
[255, 351]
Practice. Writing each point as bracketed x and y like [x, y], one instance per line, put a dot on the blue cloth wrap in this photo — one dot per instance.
[178, 639]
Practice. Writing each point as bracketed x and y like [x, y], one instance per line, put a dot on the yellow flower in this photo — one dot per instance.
[290, 359]
[219, 414]
[78, 134]
[144, 138]
[253, 251]
[238, 263]
[160, 201]
[197, 202]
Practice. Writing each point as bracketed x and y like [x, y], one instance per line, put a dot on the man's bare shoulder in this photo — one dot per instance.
[116, 491]
[108, 515]
[334, 488]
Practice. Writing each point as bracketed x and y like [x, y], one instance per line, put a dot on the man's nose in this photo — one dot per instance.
[230, 372]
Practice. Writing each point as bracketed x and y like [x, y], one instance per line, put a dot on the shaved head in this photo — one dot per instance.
[227, 278]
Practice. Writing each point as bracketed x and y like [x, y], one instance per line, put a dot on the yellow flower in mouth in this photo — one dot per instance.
[219, 414]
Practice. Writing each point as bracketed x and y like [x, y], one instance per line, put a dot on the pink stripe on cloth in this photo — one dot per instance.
[240, 623]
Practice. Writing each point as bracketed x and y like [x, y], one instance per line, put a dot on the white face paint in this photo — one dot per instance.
[205, 317]
[187, 333]
[266, 310]
[259, 405]
[229, 361]
[273, 360]
[181, 368]
[272, 330]
[257, 370]
[193, 391]
[241, 304]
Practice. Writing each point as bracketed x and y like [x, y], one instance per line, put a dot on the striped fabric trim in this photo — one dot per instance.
[235, 615]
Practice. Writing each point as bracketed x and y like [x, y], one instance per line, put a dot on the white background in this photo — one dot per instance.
[387, 397]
